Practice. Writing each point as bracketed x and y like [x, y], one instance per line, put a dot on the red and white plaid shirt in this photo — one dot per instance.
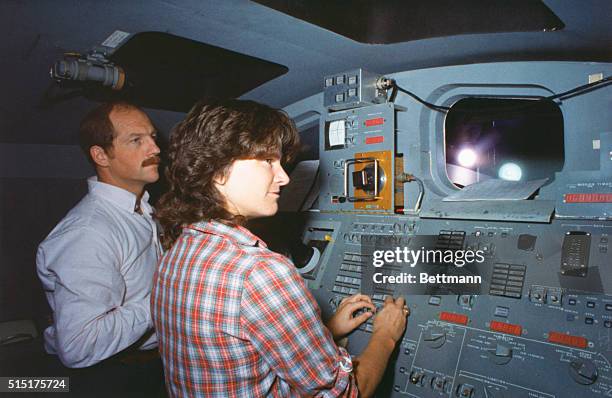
[235, 319]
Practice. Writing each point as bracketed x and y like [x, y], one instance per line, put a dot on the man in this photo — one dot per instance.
[96, 266]
[232, 317]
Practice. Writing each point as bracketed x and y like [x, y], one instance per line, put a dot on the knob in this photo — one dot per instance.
[438, 383]
[417, 378]
[583, 371]
[501, 355]
[465, 391]
[434, 338]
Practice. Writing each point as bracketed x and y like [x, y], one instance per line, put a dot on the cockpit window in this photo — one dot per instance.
[511, 139]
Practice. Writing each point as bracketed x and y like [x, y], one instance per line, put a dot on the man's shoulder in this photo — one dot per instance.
[89, 216]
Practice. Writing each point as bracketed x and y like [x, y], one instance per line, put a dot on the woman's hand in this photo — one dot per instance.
[343, 322]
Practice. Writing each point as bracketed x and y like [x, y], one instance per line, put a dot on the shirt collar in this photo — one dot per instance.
[120, 197]
[235, 233]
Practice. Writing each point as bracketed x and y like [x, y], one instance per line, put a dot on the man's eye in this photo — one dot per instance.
[136, 140]
[269, 161]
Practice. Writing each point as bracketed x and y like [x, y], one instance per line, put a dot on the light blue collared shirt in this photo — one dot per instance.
[96, 268]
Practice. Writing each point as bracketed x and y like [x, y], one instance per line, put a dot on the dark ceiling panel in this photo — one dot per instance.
[170, 72]
[393, 21]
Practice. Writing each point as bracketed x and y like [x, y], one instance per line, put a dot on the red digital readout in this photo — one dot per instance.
[588, 198]
[454, 318]
[567, 339]
[379, 139]
[506, 328]
[374, 122]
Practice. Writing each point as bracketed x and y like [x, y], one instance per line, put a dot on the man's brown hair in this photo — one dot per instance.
[203, 147]
[97, 129]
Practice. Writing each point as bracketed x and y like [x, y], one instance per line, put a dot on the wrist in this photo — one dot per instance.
[384, 339]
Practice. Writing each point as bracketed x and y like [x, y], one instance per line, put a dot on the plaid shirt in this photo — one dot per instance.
[235, 319]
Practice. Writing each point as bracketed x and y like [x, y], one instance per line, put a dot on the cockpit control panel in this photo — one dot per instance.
[540, 322]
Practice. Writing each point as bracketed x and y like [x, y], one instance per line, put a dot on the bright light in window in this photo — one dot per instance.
[467, 157]
[510, 172]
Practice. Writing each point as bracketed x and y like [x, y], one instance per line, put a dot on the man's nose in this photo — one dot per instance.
[154, 149]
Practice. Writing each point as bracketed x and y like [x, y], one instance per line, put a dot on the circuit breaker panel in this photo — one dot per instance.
[358, 160]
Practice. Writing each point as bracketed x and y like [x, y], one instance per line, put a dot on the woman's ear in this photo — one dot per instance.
[220, 179]
[219, 183]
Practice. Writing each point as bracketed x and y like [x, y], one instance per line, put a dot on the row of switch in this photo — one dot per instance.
[341, 79]
[350, 267]
[345, 290]
[378, 227]
[349, 280]
[589, 320]
[350, 94]
[543, 295]
[352, 257]
[421, 379]
[589, 304]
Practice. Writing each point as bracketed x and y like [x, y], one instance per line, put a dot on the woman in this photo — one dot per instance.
[232, 317]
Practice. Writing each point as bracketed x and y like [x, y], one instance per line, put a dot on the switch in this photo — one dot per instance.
[571, 301]
[465, 391]
[340, 97]
[352, 92]
[608, 324]
[537, 295]
[608, 307]
[435, 300]
[588, 320]
[555, 296]
[417, 378]
[438, 383]
[590, 304]
[583, 372]
[501, 312]
[352, 80]
[340, 79]
[329, 82]
[465, 300]
[501, 355]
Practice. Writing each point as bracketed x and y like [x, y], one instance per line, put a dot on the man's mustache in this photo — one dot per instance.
[151, 161]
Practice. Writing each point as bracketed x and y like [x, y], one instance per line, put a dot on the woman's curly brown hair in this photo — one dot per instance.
[202, 148]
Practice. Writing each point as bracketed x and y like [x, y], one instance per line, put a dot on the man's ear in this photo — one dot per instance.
[99, 156]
